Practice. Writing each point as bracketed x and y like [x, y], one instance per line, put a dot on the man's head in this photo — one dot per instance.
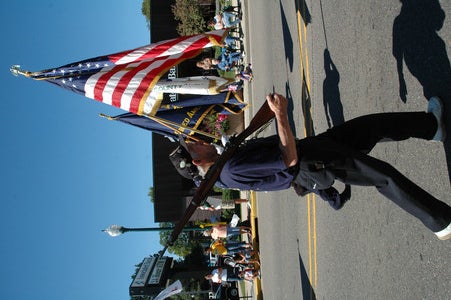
[192, 159]
[205, 63]
[201, 64]
[208, 277]
[207, 232]
[211, 23]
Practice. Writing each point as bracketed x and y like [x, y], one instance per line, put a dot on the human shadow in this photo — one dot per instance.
[331, 93]
[287, 40]
[416, 43]
[307, 108]
[303, 10]
[308, 293]
[290, 108]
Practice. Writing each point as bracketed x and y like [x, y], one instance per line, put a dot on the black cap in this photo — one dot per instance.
[182, 161]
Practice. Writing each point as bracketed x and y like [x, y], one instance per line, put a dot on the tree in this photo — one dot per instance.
[182, 246]
[151, 194]
[191, 272]
[136, 270]
[145, 10]
[133, 278]
[189, 15]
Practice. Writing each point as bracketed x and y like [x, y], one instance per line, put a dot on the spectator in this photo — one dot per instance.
[224, 20]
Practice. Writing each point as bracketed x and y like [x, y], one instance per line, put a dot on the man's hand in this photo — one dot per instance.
[279, 105]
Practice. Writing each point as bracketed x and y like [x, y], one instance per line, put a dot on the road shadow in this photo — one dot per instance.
[302, 9]
[288, 46]
[333, 107]
[287, 40]
[307, 108]
[416, 42]
[308, 293]
[290, 108]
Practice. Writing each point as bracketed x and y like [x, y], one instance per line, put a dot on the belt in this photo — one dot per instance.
[294, 170]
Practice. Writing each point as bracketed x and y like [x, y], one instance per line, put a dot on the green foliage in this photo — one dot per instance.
[136, 270]
[192, 286]
[217, 189]
[189, 15]
[145, 10]
[216, 124]
[227, 215]
[224, 74]
[182, 246]
[195, 261]
[139, 297]
[225, 3]
[228, 194]
[151, 194]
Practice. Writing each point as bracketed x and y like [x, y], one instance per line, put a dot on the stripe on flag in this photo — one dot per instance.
[125, 79]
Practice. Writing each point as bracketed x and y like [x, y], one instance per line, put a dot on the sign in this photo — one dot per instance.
[157, 271]
[143, 273]
[172, 75]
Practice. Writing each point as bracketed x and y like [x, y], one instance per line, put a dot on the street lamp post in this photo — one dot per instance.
[115, 230]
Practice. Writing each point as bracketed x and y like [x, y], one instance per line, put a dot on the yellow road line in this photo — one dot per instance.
[307, 76]
[314, 242]
[311, 204]
[309, 242]
[257, 282]
[300, 38]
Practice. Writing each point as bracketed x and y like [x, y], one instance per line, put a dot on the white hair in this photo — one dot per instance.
[202, 170]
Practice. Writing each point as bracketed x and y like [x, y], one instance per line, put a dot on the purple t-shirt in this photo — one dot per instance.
[258, 165]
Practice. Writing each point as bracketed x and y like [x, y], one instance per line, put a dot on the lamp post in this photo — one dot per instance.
[115, 230]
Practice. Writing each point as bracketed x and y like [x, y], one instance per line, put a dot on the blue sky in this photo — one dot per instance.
[67, 173]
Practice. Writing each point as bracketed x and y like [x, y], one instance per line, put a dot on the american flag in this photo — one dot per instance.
[125, 79]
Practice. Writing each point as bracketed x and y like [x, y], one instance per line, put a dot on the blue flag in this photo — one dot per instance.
[188, 116]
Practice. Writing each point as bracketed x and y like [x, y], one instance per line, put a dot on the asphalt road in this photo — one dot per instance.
[370, 249]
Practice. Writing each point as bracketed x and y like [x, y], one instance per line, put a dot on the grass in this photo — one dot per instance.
[229, 195]
[224, 74]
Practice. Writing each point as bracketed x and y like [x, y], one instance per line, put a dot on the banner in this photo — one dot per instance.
[184, 116]
[171, 290]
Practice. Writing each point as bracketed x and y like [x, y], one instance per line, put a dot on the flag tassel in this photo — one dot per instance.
[170, 123]
[109, 118]
[16, 71]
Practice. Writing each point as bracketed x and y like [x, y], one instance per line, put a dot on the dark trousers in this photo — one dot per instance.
[343, 150]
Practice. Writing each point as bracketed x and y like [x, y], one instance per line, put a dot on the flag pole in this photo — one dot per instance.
[16, 71]
[175, 129]
[157, 119]
[171, 125]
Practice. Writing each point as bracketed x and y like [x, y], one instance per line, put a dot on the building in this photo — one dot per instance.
[151, 277]
[171, 191]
